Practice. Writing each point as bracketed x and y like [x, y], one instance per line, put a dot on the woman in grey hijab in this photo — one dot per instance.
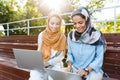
[86, 47]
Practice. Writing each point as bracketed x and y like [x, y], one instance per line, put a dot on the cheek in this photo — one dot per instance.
[54, 28]
[51, 26]
[83, 26]
[57, 28]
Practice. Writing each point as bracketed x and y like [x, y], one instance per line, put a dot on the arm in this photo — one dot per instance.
[98, 61]
[69, 56]
[69, 67]
[39, 41]
[57, 59]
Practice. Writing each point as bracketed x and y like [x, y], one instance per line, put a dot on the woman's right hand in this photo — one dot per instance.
[69, 69]
[82, 72]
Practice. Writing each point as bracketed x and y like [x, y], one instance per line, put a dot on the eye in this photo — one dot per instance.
[80, 22]
[57, 23]
[52, 23]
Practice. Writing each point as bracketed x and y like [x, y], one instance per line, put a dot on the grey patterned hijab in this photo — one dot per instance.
[90, 34]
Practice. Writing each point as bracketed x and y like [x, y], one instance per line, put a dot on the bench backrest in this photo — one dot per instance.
[19, 39]
[7, 43]
[113, 39]
[112, 55]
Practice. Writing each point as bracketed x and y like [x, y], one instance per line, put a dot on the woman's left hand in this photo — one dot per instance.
[82, 72]
[46, 64]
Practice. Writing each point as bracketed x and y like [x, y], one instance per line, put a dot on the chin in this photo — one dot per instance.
[79, 31]
[54, 31]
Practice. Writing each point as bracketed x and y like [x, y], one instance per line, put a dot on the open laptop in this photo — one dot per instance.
[32, 59]
[28, 59]
[59, 75]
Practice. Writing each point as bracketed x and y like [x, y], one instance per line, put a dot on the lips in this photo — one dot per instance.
[79, 29]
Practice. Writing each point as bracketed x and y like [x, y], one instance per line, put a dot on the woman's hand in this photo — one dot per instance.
[82, 72]
[46, 64]
[69, 69]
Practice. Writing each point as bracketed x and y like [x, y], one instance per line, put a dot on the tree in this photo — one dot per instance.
[11, 11]
[33, 9]
[7, 10]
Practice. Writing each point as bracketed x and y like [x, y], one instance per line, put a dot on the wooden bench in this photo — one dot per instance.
[17, 41]
[112, 55]
[10, 71]
[7, 68]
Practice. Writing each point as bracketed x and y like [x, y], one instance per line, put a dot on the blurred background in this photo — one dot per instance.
[28, 17]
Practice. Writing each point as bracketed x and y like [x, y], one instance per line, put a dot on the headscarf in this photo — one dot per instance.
[52, 40]
[90, 35]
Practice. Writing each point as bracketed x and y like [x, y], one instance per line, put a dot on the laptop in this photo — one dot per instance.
[60, 75]
[28, 59]
[32, 60]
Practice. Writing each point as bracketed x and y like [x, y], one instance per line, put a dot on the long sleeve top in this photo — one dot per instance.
[84, 55]
[53, 60]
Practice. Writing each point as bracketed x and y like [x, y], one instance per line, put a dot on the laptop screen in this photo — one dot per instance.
[28, 59]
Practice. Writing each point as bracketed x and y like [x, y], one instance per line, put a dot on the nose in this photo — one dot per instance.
[77, 25]
[54, 26]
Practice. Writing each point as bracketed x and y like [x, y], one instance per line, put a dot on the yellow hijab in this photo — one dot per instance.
[52, 40]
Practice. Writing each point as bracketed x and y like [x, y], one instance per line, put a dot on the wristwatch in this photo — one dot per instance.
[86, 69]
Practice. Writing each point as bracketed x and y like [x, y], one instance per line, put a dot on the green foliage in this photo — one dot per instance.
[2, 33]
[7, 11]
[108, 27]
[118, 23]
[104, 27]
[32, 10]
[9, 14]
[95, 4]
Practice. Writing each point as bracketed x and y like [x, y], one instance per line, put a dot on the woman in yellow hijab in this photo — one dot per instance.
[52, 44]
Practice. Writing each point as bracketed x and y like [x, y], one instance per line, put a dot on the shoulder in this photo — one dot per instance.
[40, 34]
[95, 30]
[98, 32]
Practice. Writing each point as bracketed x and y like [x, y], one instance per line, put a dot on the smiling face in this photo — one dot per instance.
[79, 23]
[54, 24]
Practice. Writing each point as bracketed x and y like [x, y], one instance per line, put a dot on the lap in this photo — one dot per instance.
[94, 76]
[38, 75]
[42, 75]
